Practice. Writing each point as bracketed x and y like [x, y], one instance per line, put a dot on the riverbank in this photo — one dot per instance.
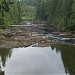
[22, 36]
[25, 35]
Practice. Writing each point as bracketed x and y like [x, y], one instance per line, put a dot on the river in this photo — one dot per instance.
[52, 60]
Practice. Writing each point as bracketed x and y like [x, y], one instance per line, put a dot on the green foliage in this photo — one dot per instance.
[9, 12]
[60, 13]
[12, 11]
[28, 9]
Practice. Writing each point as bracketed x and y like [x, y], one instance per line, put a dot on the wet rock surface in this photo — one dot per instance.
[26, 35]
[21, 36]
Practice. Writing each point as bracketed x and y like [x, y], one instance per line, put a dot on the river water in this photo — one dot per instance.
[52, 60]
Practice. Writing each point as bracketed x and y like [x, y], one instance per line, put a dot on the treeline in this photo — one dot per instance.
[9, 12]
[28, 9]
[30, 2]
[13, 11]
[60, 13]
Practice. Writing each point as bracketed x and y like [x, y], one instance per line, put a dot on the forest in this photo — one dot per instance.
[28, 9]
[9, 12]
[57, 13]
[37, 37]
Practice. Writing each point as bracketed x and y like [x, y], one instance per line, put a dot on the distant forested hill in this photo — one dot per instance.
[30, 2]
[28, 9]
[60, 13]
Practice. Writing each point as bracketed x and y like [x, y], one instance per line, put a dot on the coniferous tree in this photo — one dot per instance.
[60, 13]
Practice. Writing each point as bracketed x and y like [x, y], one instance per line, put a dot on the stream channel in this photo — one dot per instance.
[52, 60]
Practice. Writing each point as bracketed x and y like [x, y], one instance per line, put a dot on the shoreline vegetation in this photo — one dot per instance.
[55, 13]
[57, 16]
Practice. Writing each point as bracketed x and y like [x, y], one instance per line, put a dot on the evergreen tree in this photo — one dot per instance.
[60, 13]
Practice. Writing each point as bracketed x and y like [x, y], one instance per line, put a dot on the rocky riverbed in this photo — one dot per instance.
[26, 35]
[22, 36]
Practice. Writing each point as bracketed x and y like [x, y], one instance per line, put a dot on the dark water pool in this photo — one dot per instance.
[53, 60]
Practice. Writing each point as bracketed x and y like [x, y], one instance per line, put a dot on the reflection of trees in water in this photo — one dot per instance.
[1, 73]
[4, 54]
[68, 57]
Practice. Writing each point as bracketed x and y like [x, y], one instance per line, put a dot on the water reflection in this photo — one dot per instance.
[54, 60]
[68, 57]
[2, 73]
[4, 54]
[34, 60]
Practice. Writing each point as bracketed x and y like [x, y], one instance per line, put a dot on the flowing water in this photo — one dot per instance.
[52, 60]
